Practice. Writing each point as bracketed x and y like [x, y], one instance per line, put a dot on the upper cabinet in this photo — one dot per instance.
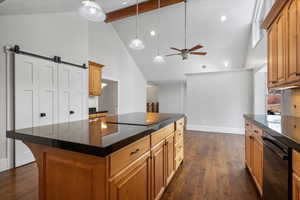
[283, 25]
[95, 79]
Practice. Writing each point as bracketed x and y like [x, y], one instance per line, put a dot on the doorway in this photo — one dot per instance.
[108, 101]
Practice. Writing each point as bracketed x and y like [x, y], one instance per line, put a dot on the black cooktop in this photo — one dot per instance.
[141, 118]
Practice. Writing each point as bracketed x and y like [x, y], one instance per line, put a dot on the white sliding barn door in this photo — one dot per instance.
[35, 98]
[71, 93]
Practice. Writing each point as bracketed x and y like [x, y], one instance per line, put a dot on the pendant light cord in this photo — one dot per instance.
[136, 21]
[158, 28]
[185, 24]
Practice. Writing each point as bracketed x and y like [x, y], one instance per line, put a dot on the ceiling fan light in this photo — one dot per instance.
[91, 11]
[137, 44]
[159, 59]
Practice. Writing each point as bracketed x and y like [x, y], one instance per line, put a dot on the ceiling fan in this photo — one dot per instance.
[184, 53]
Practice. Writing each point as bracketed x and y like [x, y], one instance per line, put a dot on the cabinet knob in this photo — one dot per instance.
[72, 112]
[43, 115]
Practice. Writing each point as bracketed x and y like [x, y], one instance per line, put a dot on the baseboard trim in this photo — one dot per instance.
[216, 129]
[3, 165]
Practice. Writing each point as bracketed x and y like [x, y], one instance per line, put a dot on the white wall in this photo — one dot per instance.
[75, 40]
[171, 97]
[105, 47]
[260, 91]
[216, 102]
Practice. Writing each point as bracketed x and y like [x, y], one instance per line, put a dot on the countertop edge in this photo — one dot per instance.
[282, 138]
[89, 149]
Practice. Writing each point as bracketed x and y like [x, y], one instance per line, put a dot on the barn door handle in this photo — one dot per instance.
[72, 112]
[43, 115]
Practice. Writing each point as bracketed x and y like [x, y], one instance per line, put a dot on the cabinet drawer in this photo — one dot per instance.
[178, 135]
[179, 150]
[178, 160]
[125, 156]
[161, 134]
[296, 162]
[180, 124]
[248, 125]
[257, 131]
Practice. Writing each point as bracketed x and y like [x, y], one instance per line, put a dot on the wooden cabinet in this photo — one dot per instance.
[254, 153]
[257, 169]
[296, 187]
[247, 149]
[283, 25]
[170, 158]
[281, 48]
[133, 182]
[292, 12]
[95, 79]
[158, 165]
[272, 56]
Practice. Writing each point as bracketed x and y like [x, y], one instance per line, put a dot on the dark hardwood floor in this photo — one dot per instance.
[213, 169]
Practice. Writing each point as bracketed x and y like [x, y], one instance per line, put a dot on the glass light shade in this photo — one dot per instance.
[136, 44]
[159, 59]
[91, 11]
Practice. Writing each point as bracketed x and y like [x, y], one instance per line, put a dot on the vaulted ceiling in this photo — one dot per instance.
[224, 41]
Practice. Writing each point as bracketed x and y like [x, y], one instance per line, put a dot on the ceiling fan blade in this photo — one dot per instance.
[176, 49]
[195, 48]
[199, 53]
[175, 54]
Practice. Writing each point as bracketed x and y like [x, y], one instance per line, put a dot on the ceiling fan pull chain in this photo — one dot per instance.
[185, 24]
[158, 28]
[136, 20]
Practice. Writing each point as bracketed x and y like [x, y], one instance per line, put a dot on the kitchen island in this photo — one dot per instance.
[132, 156]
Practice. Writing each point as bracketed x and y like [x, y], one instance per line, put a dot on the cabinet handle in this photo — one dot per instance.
[134, 152]
[43, 115]
[297, 74]
[273, 82]
[255, 131]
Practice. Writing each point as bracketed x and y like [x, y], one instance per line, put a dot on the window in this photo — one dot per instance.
[262, 8]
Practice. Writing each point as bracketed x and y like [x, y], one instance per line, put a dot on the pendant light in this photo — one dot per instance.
[91, 11]
[158, 58]
[136, 43]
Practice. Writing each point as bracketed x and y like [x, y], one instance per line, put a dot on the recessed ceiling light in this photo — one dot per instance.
[124, 2]
[152, 33]
[226, 63]
[223, 18]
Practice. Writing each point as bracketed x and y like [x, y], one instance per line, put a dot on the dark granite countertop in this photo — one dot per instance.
[96, 137]
[142, 119]
[285, 129]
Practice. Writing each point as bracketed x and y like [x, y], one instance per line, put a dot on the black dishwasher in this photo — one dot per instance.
[277, 170]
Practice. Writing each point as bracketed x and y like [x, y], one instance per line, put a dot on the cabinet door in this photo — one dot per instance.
[170, 158]
[293, 69]
[91, 80]
[247, 149]
[296, 187]
[158, 170]
[258, 162]
[281, 47]
[251, 148]
[133, 183]
[95, 79]
[272, 56]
